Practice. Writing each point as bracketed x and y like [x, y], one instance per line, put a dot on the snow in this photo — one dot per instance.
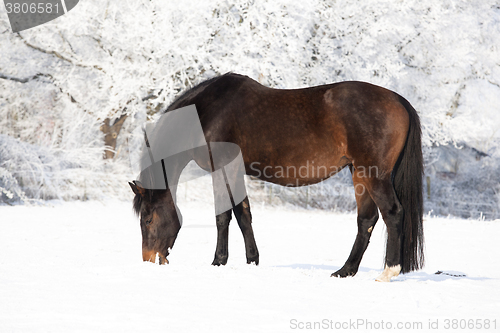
[102, 60]
[77, 266]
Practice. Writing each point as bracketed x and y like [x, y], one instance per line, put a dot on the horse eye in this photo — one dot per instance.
[148, 222]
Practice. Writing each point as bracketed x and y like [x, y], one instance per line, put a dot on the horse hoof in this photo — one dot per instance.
[342, 273]
[253, 258]
[256, 261]
[219, 261]
[389, 273]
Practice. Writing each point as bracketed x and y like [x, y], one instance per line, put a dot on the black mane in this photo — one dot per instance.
[186, 95]
[137, 204]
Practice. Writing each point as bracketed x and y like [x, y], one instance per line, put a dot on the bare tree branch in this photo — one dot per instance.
[151, 96]
[58, 55]
[67, 42]
[494, 83]
[37, 77]
[25, 80]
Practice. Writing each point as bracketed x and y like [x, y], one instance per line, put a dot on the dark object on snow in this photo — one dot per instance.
[449, 274]
[300, 137]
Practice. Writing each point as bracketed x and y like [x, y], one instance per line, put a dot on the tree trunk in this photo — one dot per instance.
[111, 134]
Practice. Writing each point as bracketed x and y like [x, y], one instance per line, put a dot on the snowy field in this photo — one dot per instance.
[77, 267]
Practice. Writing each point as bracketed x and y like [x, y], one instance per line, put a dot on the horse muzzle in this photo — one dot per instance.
[150, 255]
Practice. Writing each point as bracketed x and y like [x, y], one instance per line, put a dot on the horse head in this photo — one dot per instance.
[160, 223]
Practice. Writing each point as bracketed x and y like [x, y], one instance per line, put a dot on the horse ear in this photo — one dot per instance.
[137, 188]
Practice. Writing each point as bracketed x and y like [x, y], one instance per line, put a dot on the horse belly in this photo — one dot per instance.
[297, 165]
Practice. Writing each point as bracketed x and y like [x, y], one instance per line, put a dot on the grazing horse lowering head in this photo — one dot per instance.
[346, 124]
[160, 223]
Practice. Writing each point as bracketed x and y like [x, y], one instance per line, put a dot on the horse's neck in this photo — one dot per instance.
[173, 174]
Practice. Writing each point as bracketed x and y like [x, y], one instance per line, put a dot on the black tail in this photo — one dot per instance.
[407, 180]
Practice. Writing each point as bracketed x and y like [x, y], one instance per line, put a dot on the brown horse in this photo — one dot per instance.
[318, 130]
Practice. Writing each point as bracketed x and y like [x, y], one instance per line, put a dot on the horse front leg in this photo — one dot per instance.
[221, 251]
[244, 217]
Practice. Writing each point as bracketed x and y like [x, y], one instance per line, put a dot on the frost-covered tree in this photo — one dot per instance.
[63, 85]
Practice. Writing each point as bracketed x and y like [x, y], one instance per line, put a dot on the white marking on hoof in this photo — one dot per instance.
[389, 273]
[370, 229]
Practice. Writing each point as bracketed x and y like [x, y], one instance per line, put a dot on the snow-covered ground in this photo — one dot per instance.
[70, 267]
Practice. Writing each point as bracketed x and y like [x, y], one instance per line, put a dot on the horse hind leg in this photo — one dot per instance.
[367, 218]
[382, 192]
[244, 218]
